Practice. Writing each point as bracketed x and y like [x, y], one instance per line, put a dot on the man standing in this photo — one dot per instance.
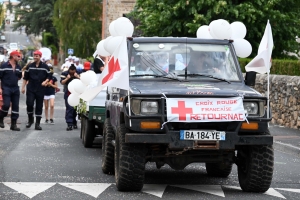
[36, 77]
[66, 78]
[10, 74]
[79, 67]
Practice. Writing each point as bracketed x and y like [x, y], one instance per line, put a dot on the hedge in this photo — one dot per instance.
[279, 66]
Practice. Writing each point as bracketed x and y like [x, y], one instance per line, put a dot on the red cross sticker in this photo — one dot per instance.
[112, 68]
[181, 110]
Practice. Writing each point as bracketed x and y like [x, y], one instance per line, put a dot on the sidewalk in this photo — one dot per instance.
[286, 139]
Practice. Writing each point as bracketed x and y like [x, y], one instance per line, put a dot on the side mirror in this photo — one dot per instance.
[250, 78]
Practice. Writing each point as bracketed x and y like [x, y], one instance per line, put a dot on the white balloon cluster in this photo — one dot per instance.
[118, 29]
[77, 87]
[221, 29]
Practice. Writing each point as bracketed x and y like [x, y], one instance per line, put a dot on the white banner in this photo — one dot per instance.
[205, 110]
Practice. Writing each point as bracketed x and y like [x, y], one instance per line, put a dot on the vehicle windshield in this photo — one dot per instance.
[160, 59]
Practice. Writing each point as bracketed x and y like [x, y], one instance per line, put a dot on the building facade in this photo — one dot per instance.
[112, 10]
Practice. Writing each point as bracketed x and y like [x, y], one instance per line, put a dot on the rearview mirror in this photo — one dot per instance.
[250, 78]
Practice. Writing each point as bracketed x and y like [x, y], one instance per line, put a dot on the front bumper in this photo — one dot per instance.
[172, 139]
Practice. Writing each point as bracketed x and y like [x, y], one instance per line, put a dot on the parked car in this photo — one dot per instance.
[3, 38]
[13, 46]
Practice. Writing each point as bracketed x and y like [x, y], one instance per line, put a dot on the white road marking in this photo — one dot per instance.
[270, 192]
[92, 189]
[29, 189]
[289, 189]
[154, 189]
[288, 145]
[210, 189]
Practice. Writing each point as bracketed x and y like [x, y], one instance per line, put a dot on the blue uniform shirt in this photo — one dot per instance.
[37, 75]
[9, 77]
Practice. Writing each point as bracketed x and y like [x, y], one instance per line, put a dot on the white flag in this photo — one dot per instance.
[115, 74]
[262, 62]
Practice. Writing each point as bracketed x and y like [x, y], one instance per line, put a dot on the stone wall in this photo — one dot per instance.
[284, 98]
[112, 10]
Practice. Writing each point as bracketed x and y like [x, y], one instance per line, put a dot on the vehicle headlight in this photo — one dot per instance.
[149, 107]
[251, 108]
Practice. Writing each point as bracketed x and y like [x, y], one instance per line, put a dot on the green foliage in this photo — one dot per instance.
[182, 18]
[279, 66]
[78, 25]
[48, 39]
[36, 16]
[10, 6]
[81, 108]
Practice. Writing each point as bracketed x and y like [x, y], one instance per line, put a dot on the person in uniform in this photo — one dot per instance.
[36, 78]
[10, 74]
[65, 78]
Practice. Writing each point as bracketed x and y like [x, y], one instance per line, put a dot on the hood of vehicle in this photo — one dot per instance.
[192, 88]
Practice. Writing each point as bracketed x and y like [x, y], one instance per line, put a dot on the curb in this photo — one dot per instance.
[288, 148]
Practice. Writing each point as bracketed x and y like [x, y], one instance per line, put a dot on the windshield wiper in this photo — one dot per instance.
[155, 75]
[206, 75]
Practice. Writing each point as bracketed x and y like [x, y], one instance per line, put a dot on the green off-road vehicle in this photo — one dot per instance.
[188, 103]
[92, 119]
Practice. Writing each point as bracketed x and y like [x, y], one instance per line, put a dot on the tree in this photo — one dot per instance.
[78, 25]
[36, 16]
[10, 6]
[182, 18]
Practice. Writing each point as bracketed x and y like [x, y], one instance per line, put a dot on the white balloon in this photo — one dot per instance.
[220, 29]
[88, 77]
[46, 52]
[112, 28]
[73, 99]
[203, 32]
[212, 24]
[111, 44]
[238, 30]
[242, 47]
[80, 87]
[123, 27]
[100, 49]
[72, 85]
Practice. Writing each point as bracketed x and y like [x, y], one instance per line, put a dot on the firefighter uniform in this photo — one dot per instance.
[71, 113]
[10, 92]
[36, 75]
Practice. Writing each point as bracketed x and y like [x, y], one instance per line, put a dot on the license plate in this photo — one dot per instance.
[202, 135]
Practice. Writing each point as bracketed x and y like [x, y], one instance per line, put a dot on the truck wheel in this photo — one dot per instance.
[81, 126]
[218, 169]
[129, 163]
[108, 150]
[255, 168]
[88, 133]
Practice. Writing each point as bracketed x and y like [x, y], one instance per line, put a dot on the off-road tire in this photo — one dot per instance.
[108, 150]
[81, 126]
[129, 163]
[88, 134]
[218, 169]
[255, 168]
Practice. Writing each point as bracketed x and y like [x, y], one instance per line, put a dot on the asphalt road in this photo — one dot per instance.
[16, 37]
[53, 164]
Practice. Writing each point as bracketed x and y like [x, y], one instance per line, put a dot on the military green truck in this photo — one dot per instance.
[92, 119]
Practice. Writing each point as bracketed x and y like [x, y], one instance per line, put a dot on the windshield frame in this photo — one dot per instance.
[164, 40]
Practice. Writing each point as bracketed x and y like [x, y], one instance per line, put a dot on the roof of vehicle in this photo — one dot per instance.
[180, 40]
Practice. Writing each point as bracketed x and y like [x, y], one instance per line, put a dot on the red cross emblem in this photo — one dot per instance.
[112, 68]
[181, 110]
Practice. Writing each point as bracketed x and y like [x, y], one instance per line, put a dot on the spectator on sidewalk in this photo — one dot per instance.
[66, 78]
[10, 74]
[79, 67]
[37, 75]
[50, 97]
